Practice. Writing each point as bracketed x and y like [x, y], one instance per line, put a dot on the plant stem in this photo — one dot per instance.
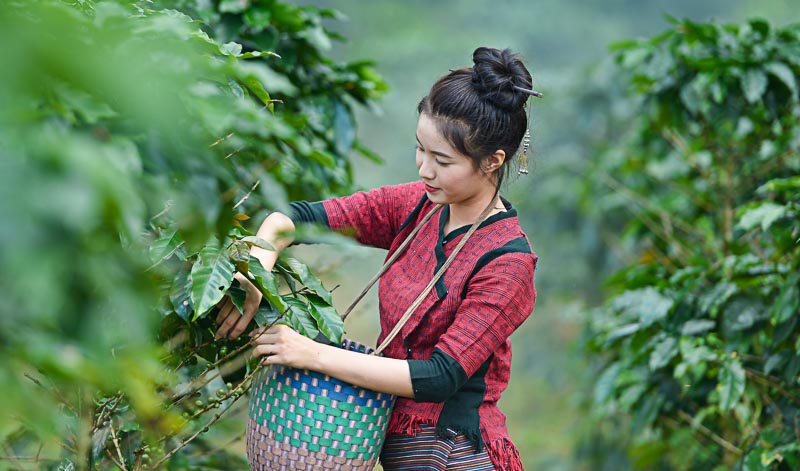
[211, 422]
[710, 433]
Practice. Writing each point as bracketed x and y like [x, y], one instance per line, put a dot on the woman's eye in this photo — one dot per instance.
[442, 164]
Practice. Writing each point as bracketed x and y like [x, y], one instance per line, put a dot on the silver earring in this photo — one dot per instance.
[523, 158]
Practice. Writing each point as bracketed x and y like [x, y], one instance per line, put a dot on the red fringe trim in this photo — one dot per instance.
[406, 424]
[504, 455]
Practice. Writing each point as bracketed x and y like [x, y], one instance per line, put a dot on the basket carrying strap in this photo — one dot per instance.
[404, 318]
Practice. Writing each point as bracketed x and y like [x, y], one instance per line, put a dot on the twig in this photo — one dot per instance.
[224, 446]
[111, 457]
[54, 392]
[233, 153]
[220, 140]
[116, 445]
[163, 211]
[231, 355]
[651, 224]
[768, 381]
[167, 256]
[12, 456]
[192, 390]
[244, 198]
[210, 422]
[710, 433]
[194, 386]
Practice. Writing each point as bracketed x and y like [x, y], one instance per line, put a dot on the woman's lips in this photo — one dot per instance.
[430, 189]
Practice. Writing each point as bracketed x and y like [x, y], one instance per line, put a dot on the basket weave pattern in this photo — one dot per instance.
[302, 419]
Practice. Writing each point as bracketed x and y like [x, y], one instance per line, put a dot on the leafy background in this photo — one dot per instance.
[662, 203]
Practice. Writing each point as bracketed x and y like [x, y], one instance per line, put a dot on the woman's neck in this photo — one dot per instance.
[463, 214]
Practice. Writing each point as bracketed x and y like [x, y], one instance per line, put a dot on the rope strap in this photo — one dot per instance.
[436, 277]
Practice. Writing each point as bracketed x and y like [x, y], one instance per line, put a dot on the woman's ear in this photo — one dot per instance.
[494, 161]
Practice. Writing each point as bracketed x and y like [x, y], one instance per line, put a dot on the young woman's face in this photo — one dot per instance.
[449, 176]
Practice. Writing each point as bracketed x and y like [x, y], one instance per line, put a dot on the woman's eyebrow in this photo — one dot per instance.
[434, 152]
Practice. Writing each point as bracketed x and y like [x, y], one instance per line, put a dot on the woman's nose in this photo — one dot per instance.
[425, 169]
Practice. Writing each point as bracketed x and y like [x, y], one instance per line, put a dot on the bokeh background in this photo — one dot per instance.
[565, 44]
[136, 134]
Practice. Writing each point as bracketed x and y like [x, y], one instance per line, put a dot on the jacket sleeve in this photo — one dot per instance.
[374, 217]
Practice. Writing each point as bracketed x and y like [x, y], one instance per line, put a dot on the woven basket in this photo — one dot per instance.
[302, 419]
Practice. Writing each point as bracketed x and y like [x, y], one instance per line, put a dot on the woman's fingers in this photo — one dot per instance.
[224, 309]
[265, 350]
[251, 304]
[227, 318]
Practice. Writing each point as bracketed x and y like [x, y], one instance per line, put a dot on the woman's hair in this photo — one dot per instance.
[479, 110]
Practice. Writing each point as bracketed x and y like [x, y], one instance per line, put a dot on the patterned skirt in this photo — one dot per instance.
[428, 452]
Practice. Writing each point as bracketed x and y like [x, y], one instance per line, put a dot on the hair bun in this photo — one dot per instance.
[495, 74]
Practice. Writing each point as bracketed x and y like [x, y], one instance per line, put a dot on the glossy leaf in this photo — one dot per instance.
[784, 74]
[663, 353]
[258, 242]
[267, 284]
[327, 319]
[754, 84]
[211, 276]
[731, 382]
[762, 215]
[301, 273]
[300, 318]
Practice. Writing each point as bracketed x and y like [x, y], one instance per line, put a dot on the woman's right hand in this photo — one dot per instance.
[277, 230]
[233, 323]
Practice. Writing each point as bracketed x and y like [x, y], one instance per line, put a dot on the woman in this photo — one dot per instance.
[452, 359]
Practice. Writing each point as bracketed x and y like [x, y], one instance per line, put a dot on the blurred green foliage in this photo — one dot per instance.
[135, 135]
[700, 342]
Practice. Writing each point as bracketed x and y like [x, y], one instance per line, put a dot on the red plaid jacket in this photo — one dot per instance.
[484, 296]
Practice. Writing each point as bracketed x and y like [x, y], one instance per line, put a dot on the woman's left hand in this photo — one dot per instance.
[280, 344]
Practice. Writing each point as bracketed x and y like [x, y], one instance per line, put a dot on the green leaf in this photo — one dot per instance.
[754, 84]
[300, 272]
[623, 331]
[239, 252]
[775, 361]
[605, 385]
[784, 74]
[788, 302]
[255, 86]
[696, 326]
[237, 296]
[88, 106]
[752, 462]
[231, 49]
[257, 74]
[328, 321]
[212, 274]
[780, 185]
[663, 353]
[180, 295]
[647, 305]
[731, 382]
[258, 242]
[166, 243]
[762, 215]
[254, 54]
[299, 316]
[267, 284]
[233, 6]
[645, 414]
[266, 314]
